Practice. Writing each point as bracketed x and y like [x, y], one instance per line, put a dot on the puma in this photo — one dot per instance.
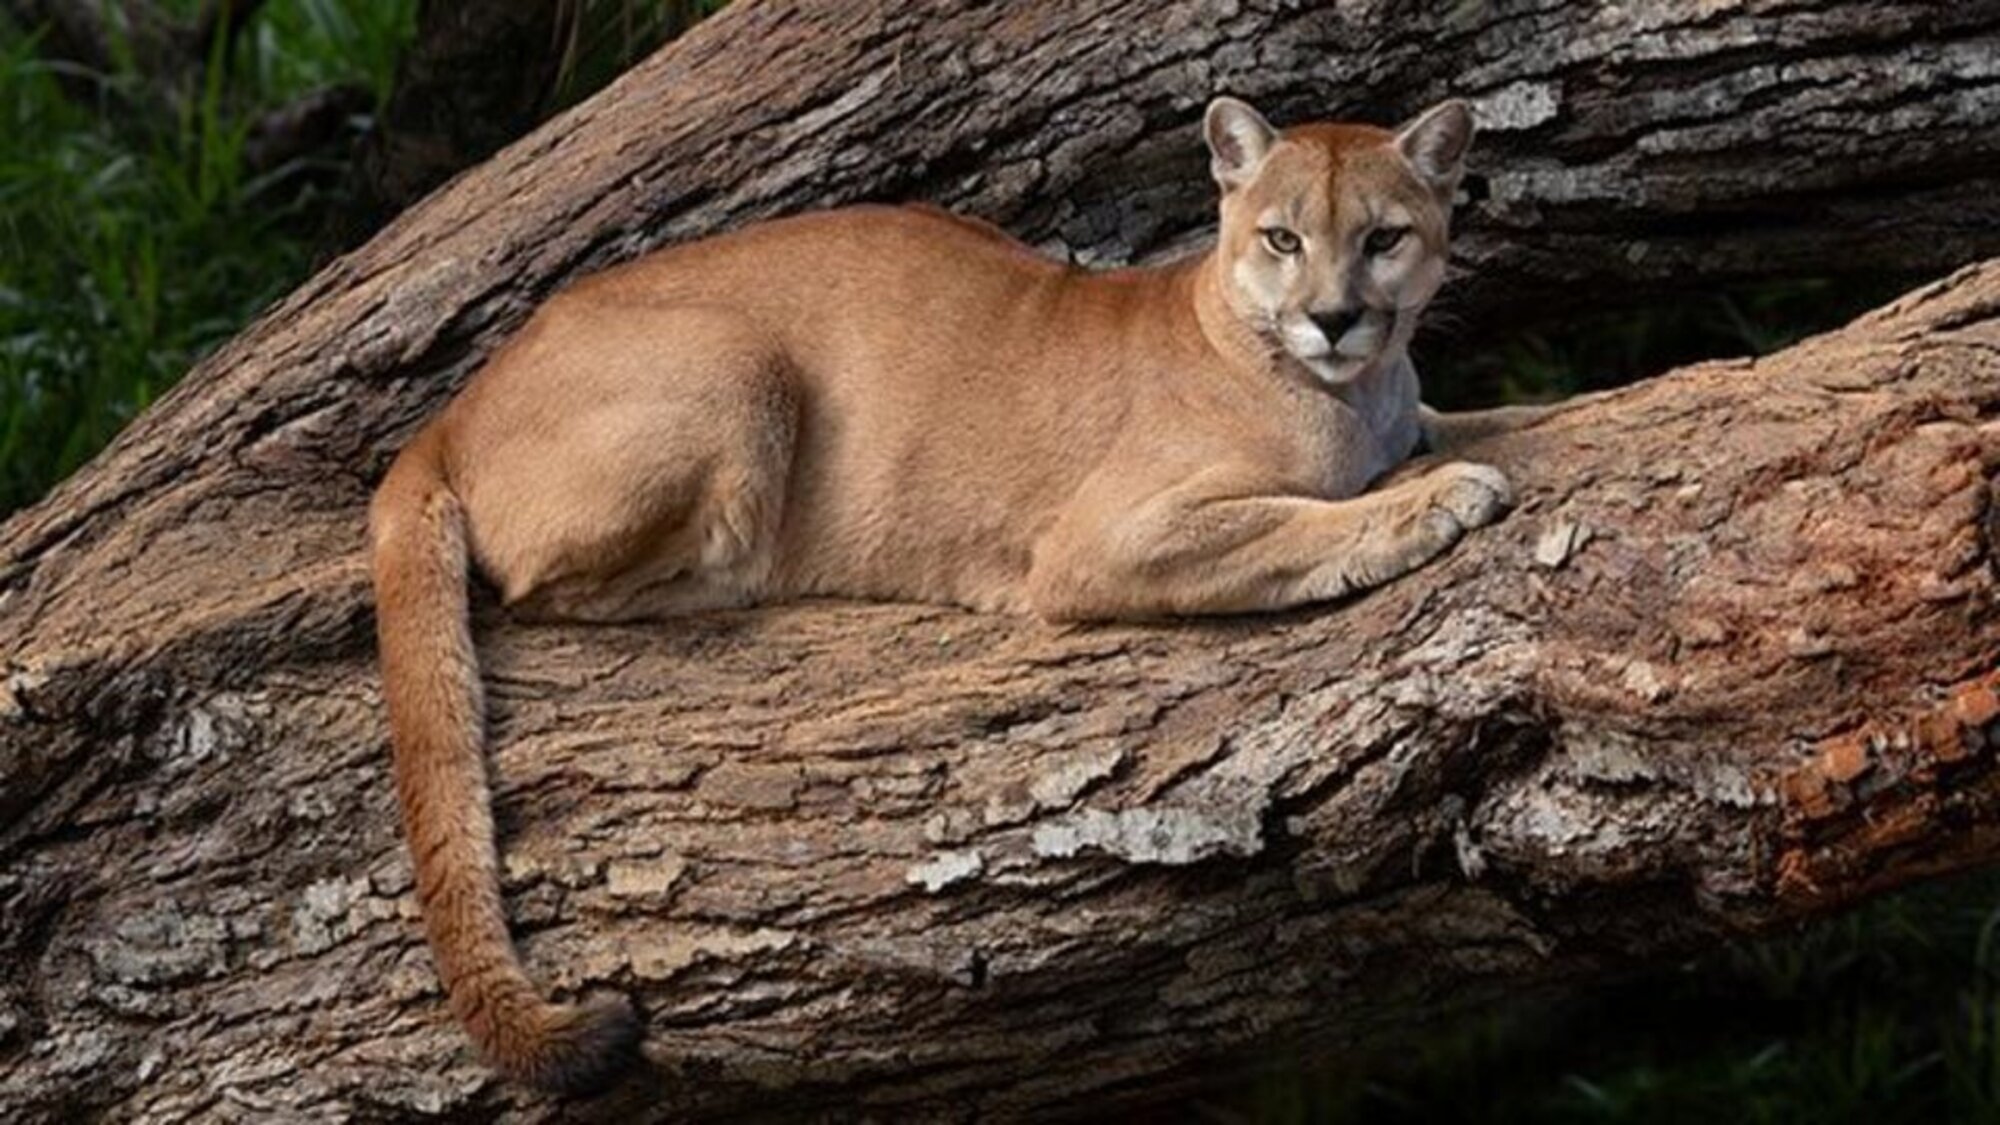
[896, 403]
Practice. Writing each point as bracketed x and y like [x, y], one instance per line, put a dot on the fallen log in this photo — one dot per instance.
[1731, 663]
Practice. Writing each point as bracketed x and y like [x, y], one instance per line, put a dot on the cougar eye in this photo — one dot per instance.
[1280, 240]
[1381, 240]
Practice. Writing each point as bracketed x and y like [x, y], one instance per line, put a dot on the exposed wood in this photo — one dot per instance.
[1732, 662]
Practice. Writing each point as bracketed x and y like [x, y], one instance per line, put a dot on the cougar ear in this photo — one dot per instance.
[1435, 142]
[1238, 137]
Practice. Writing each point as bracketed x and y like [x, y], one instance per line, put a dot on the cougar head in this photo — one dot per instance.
[1333, 237]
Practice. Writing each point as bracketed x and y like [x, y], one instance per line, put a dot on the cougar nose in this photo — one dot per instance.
[1336, 323]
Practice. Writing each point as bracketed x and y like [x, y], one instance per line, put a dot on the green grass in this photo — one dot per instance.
[298, 45]
[1889, 1014]
[602, 38]
[131, 243]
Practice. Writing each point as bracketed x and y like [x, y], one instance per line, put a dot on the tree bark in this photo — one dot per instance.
[1731, 663]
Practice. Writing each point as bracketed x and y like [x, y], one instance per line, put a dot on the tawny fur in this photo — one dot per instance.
[894, 403]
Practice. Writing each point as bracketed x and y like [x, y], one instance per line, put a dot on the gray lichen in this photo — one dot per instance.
[1173, 835]
[946, 868]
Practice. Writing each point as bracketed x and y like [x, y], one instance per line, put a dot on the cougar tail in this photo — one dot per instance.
[430, 677]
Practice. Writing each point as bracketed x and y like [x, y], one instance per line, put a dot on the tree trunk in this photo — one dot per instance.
[1730, 663]
[477, 76]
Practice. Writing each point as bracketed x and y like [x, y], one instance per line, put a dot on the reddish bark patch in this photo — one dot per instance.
[1855, 807]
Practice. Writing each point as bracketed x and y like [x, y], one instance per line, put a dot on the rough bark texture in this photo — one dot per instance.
[1730, 663]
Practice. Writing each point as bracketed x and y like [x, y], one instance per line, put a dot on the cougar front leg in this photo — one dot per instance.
[1194, 551]
[1445, 433]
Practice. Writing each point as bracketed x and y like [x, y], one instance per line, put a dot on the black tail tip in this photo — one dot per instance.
[585, 1047]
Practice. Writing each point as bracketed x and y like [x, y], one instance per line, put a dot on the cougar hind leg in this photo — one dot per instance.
[659, 489]
[655, 480]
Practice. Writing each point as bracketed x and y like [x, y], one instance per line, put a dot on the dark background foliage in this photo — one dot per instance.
[167, 174]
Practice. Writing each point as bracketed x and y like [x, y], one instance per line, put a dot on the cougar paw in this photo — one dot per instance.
[1472, 495]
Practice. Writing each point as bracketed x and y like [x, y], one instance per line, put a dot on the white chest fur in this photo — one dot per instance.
[1385, 403]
